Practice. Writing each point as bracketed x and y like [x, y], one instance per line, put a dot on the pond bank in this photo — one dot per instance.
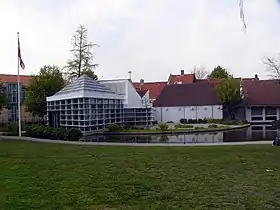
[182, 130]
[16, 138]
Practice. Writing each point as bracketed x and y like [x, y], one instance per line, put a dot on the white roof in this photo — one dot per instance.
[85, 86]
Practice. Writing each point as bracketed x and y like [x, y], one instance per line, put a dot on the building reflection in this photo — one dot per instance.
[253, 133]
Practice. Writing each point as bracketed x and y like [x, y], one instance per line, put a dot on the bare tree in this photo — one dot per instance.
[242, 16]
[82, 61]
[273, 66]
[200, 73]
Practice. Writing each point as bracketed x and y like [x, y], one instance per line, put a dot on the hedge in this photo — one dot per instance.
[46, 132]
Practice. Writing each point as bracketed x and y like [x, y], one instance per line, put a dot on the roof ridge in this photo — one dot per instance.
[84, 82]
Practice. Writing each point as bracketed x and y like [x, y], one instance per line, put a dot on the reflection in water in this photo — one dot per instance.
[253, 133]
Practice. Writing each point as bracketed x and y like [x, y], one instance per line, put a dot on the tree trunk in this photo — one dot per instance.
[80, 56]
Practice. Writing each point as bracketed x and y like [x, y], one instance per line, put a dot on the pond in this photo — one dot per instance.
[253, 133]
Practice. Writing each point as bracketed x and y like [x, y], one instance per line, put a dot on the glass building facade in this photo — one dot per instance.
[11, 89]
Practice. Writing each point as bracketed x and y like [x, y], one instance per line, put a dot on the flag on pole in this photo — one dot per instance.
[19, 57]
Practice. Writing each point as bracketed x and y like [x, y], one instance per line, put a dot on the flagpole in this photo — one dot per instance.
[19, 117]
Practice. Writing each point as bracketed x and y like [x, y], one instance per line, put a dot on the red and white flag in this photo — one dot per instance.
[19, 57]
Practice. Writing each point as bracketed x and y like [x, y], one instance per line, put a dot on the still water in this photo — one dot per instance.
[253, 133]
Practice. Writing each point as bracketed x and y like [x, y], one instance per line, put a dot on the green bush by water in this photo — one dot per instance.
[178, 126]
[163, 127]
[46, 132]
[212, 126]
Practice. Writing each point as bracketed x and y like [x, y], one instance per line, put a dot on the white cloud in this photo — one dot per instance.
[150, 38]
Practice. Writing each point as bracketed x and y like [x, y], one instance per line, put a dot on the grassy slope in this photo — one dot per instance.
[50, 176]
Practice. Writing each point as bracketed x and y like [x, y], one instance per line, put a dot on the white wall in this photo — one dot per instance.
[131, 97]
[165, 114]
[146, 103]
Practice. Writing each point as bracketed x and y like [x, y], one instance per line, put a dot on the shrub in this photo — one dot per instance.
[134, 128]
[194, 121]
[242, 122]
[183, 121]
[190, 121]
[163, 127]
[210, 120]
[46, 132]
[212, 126]
[204, 121]
[12, 128]
[178, 126]
[114, 128]
[73, 134]
[229, 122]
[169, 122]
[200, 121]
[155, 122]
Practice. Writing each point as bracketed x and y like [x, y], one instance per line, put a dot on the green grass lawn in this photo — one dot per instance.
[53, 176]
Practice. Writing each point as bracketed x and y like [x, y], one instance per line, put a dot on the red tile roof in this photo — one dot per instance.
[213, 81]
[9, 78]
[188, 95]
[262, 92]
[248, 79]
[154, 88]
[141, 92]
[181, 79]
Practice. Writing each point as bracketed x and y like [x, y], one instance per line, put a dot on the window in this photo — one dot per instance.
[256, 111]
[269, 128]
[271, 118]
[270, 111]
[257, 118]
[257, 128]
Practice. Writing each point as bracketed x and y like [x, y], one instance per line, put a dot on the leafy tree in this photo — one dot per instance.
[82, 60]
[229, 92]
[200, 72]
[3, 97]
[219, 73]
[91, 74]
[46, 83]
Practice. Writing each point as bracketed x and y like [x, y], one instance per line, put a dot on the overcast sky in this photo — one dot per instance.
[152, 38]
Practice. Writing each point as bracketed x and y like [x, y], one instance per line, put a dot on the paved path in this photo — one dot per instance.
[132, 144]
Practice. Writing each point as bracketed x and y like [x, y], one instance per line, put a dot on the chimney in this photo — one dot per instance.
[182, 72]
[256, 77]
[141, 83]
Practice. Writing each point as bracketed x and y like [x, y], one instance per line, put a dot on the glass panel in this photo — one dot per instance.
[256, 111]
[270, 111]
[271, 118]
[257, 118]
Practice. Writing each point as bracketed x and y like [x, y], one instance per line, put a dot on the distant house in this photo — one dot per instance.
[189, 101]
[262, 100]
[154, 88]
[181, 78]
[10, 86]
